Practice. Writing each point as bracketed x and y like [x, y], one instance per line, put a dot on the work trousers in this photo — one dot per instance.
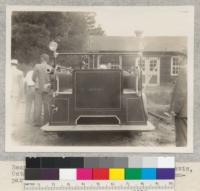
[30, 98]
[41, 107]
[15, 108]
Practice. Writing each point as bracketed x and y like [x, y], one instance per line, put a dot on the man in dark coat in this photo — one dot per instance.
[179, 106]
[41, 77]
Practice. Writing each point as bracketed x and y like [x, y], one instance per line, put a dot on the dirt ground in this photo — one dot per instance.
[158, 99]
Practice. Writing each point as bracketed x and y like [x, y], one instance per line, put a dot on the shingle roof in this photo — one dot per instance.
[151, 44]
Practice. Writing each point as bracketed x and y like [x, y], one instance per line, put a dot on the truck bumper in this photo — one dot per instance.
[59, 128]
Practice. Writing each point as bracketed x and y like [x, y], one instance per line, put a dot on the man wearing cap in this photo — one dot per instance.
[16, 90]
[41, 77]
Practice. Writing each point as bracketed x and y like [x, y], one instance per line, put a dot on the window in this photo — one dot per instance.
[153, 65]
[175, 65]
[143, 61]
[111, 61]
[150, 66]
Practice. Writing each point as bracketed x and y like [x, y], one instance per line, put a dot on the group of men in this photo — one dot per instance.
[36, 87]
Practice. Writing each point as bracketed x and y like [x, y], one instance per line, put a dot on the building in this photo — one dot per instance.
[160, 59]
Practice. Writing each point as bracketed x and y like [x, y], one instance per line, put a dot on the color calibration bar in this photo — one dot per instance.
[99, 162]
[100, 174]
[93, 168]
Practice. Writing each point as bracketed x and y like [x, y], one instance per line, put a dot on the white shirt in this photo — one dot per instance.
[28, 79]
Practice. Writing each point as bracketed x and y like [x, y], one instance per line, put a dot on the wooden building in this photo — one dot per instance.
[160, 59]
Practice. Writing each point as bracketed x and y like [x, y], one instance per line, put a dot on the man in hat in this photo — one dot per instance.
[41, 77]
[16, 90]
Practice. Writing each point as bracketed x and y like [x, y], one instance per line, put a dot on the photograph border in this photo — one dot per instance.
[119, 149]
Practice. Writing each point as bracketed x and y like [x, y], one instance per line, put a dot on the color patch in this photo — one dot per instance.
[148, 173]
[116, 174]
[135, 162]
[32, 174]
[149, 162]
[165, 173]
[84, 174]
[32, 162]
[120, 162]
[76, 162]
[48, 162]
[106, 162]
[59, 162]
[67, 174]
[49, 174]
[166, 162]
[55, 162]
[100, 174]
[133, 173]
[91, 162]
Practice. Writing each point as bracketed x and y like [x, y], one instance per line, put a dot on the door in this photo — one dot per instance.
[153, 71]
[150, 67]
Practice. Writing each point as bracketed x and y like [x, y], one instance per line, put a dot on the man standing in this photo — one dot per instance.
[29, 87]
[179, 106]
[16, 90]
[41, 77]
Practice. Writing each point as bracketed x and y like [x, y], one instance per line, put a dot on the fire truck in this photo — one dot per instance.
[104, 98]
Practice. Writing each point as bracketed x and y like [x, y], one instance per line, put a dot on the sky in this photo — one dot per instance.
[153, 21]
[124, 20]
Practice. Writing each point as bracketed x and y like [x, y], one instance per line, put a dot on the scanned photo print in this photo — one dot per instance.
[99, 79]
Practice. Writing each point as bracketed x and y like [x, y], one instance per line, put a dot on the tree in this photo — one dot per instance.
[32, 32]
[91, 22]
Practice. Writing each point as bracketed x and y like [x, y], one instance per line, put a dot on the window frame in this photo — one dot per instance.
[172, 65]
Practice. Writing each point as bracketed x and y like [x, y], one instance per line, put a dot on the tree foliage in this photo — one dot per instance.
[32, 32]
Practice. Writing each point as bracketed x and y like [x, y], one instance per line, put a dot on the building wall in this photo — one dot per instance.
[165, 76]
[165, 70]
